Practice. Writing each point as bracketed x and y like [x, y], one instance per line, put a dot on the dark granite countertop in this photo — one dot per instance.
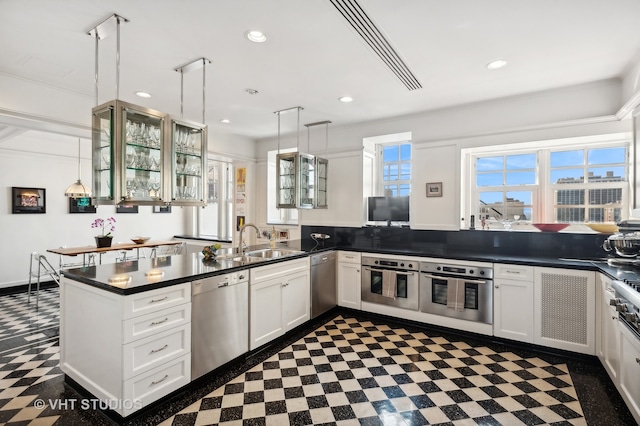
[146, 274]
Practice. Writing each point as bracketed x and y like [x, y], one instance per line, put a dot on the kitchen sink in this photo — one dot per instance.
[272, 253]
[259, 255]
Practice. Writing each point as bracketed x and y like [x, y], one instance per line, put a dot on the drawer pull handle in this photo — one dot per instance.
[166, 376]
[614, 318]
[153, 351]
[512, 272]
[160, 322]
[497, 286]
[638, 360]
[159, 300]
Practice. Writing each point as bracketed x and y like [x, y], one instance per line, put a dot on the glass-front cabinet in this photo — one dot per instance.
[287, 180]
[144, 157]
[188, 162]
[322, 169]
[301, 181]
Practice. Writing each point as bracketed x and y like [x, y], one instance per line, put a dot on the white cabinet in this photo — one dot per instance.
[607, 328]
[629, 382]
[130, 349]
[280, 299]
[349, 278]
[513, 302]
[564, 316]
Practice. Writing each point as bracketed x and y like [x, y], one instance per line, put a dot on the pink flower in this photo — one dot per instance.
[107, 225]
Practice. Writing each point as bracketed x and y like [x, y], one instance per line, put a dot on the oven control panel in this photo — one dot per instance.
[385, 263]
[478, 271]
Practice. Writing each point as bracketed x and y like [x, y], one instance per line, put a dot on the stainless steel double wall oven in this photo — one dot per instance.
[461, 290]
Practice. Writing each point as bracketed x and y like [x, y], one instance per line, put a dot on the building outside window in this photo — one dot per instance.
[554, 184]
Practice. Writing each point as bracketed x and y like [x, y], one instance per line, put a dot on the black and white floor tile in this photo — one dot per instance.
[346, 369]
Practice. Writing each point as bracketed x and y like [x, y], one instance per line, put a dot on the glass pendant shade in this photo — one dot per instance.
[78, 190]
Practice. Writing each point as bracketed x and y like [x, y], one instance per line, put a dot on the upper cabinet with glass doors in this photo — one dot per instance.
[188, 162]
[322, 166]
[135, 157]
[301, 181]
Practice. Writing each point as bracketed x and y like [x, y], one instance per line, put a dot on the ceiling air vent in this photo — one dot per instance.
[358, 19]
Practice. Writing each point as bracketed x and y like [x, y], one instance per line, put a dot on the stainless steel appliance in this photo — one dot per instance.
[627, 303]
[219, 321]
[390, 281]
[457, 291]
[323, 283]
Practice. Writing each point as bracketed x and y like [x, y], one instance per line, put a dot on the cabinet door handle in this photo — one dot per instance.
[160, 322]
[497, 286]
[357, 270]
[285, 284]
[638, 360]
[614, 318]
[166, 376]
[153, 351]
[159, 300]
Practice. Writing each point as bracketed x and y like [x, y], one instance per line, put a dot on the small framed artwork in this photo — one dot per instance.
[81, 205]
[126, 209]
[28, 200]
[283, 234]
[162, 209]
[434, 189]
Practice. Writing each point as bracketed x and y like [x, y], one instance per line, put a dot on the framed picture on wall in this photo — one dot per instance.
[434, 189]
[162, 209]
[28, 200]
[126, 209]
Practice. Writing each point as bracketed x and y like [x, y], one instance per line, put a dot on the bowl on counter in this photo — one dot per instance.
[140, 240]
[603, 228]
[550, 227]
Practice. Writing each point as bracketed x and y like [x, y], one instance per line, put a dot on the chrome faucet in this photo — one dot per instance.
[241, 246]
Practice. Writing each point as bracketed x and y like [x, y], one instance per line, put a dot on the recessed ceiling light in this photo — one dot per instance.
[251, 91]
[494, 65]
[143, 94]
[225, 121]
[256, 36]
[345, 99]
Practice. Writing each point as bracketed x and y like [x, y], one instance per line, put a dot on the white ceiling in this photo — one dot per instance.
[312, 56]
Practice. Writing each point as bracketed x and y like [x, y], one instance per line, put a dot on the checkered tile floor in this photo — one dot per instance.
[350, 372]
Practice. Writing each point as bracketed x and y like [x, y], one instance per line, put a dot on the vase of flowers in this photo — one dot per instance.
[107, 226]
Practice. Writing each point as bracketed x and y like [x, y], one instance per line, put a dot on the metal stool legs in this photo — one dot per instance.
[44, 267]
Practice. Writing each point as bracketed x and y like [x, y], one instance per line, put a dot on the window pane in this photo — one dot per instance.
[405, 152]
[607, 155]
[605, 196]
[567, 158]
[390, 153]
[567, 176]
[391, 172]
[491, 197]
[522, 161]
[405, 189]
[525, 197]
[605, 214]
[405, 171]
[489, 179]
[606, 174]
[570, 215]
[521, 178]
[490, 163]
[390, 190]
[570, 197]
[527, 214]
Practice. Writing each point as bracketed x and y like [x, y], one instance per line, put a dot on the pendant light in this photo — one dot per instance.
[78, 190]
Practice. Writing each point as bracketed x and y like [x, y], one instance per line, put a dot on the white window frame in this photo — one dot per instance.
[543, 192]
[380, 164]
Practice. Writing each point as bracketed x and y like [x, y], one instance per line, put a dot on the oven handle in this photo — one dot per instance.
[368, 268]
[439, 277]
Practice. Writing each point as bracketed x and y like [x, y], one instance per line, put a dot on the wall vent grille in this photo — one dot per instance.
[564, 308]
[371, 35]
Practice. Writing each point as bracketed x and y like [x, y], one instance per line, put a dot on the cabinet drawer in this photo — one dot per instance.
[349, 257]
[513, 272]
[267, 272]
[155, 322]
[144, 354]
[155, 300]
[158, 382]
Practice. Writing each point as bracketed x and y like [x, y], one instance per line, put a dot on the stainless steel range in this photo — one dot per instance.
[627, 302]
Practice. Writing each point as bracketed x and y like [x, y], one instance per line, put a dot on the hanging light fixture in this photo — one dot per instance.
[78, 190]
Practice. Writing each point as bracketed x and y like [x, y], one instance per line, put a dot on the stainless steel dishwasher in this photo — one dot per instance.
[323, 282]
[219, 321]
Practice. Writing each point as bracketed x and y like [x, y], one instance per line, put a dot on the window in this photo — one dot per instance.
[216, 218]
[550, 184]
[395, 169]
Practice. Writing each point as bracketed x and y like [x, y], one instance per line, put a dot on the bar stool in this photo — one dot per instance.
[44, 268]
